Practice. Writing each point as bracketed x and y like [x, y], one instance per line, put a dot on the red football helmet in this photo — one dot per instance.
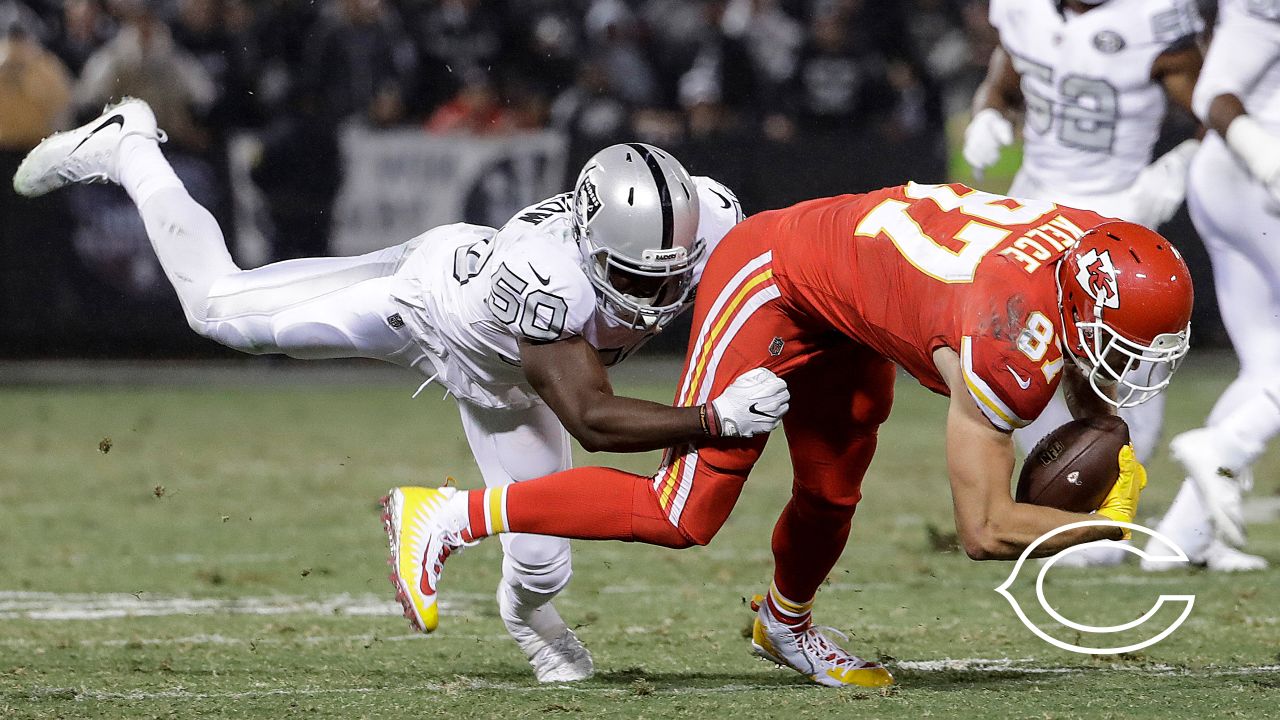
[1126, 299]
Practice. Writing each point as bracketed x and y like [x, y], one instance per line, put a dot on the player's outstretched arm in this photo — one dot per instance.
[980, 462]
[569, 377]
[1244, 48]
[996, 103]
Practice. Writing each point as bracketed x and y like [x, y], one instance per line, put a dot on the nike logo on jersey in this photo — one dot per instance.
[723, 199]
[1023, 383]
[544, 280]
[113, 120]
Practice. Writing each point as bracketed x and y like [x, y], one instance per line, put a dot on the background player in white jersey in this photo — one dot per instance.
[1234, 199]
[517, 323]
[1089, 81]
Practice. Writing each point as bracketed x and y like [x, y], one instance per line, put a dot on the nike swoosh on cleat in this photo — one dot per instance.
[116, 119]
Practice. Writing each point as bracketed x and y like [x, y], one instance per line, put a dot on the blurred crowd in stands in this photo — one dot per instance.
[665, 71]
[657, 69]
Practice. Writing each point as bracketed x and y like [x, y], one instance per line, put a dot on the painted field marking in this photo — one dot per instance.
[19, 605]
[962, 665]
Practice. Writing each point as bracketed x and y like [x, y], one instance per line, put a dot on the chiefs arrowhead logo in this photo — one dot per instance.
[1097, 276]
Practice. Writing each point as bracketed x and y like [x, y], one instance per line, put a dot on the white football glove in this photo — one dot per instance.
[1259, 149]
[988, 133]
[1160, 188]
[753, 404]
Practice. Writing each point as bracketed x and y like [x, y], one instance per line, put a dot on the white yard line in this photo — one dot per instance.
[462, 684]
[99, 606]
[962, 665]
[1031, 666]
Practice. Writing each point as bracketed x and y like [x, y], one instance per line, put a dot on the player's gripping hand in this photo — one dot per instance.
[1121, 504]
[753, 404]
[1259, 149]
[988, 133]
[1161, 187]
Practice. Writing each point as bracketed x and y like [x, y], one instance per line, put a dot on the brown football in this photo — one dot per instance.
[1074, 467]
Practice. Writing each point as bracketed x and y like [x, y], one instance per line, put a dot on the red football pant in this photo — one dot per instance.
[840, 394]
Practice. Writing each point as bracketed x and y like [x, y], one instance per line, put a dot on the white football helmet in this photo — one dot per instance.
[636, 217]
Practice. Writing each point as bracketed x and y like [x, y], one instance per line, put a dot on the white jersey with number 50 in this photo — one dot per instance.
[1093, 113]
[477, 293]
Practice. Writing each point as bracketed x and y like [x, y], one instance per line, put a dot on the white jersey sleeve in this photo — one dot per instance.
[718, 211]
[539, 292]
[1242, 60]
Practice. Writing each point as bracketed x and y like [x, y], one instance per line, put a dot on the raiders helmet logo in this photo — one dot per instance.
[588, 200]
[1097, 276]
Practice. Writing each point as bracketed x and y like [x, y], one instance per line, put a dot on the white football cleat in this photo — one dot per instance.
[808, 651]
[1220, 479]
[87, 154]
[1093, 557]
[554, 651]
[1220, 557]
[422, 531]
[1216, 557]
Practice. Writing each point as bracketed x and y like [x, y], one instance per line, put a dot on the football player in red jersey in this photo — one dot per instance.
[987, 299]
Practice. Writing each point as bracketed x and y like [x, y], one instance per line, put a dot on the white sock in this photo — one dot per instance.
[188, 242]
[143, 170]
[1186, 523]
[1250, 425]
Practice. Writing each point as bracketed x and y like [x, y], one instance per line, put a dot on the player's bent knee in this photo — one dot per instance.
[699, 533]
[539, 563]
[828, 504]
[231, 335]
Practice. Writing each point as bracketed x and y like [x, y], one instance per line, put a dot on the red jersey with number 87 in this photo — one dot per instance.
[909, 269]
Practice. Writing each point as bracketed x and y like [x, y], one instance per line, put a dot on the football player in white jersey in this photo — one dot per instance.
[1090, 82]
[1234, 199]
[519, 323]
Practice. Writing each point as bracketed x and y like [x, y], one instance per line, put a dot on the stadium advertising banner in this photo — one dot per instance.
[398, 183]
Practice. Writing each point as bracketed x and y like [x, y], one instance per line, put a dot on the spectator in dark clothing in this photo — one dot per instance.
[299, 173]
[457, 38]
[201, 31]
[360, 63]
[85, 28]
[840, 84]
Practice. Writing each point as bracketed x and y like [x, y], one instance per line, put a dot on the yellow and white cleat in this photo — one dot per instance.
[808, 651]
[422, 531]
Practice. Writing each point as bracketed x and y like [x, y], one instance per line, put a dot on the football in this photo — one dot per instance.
[1074, 467]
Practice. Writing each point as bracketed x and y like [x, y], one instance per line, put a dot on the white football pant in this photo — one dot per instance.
[317, 308]
[1240, 225]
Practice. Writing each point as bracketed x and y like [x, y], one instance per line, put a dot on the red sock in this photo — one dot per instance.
[807, 542]
[589, 503]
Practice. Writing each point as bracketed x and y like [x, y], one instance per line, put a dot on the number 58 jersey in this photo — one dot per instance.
[911, 269]
[1093, 112]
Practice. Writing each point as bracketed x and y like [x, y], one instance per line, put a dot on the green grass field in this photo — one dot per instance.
[224, 559]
